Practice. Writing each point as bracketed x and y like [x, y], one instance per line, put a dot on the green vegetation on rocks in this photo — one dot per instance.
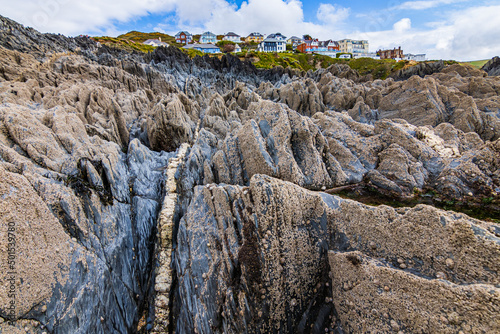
[140, 37]
[133, 41]
[124, 44]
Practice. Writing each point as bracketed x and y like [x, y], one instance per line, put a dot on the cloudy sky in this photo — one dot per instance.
[443, 29]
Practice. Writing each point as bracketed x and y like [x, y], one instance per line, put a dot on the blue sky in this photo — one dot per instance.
[443, 29]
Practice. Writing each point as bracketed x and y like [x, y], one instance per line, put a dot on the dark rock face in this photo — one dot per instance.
[14, 36]
[492, 67]
[420, 70]
[89, 135]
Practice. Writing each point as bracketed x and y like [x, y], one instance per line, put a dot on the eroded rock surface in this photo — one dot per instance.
[121, 228]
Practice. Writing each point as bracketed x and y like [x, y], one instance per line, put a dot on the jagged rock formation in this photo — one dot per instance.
[421, 69]
[121, 228]
[492, 67]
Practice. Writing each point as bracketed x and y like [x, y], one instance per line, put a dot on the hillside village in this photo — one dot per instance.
[209, 42]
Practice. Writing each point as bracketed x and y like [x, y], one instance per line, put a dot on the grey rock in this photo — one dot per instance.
[492, 67]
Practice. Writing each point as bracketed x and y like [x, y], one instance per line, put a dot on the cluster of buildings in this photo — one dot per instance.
[347, 48]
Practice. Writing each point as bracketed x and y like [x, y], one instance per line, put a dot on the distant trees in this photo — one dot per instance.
[307, 37]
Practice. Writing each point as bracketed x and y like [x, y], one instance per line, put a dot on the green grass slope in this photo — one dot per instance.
[476, 63]
[132, 41]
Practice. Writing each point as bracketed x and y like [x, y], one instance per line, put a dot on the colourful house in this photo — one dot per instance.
[254, 37]
[183, 37]
[327, 48]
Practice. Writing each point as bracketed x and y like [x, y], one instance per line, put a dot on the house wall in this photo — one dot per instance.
[183, 38]
[208, 39]
[391, 54]
[353, 46]
[419, 57]
[232, 39]
[254, 39]
[208, 50]
[272, 46]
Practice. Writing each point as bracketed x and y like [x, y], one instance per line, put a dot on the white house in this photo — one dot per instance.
[231, 36]
[273, 43]
[237, 48]
[208, 37]
[155, 42]
[345, 56]
[372, 55]
[418, 57]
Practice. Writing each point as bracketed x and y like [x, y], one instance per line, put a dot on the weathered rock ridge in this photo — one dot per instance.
[158, 193]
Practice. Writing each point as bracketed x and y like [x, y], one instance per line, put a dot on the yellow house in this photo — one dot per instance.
[254, 37]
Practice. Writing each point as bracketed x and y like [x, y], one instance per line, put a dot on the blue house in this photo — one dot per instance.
[208, 38]
[205, 48]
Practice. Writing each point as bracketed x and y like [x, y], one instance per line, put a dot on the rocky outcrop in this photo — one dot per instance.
[274, 257]
[422, 69]
[104, 209]
[121, 228]
[379, 297]
[492, 67]
[14, 36]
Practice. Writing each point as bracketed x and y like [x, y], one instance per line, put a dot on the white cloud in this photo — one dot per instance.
[469, 34]
[74, 17]
[402, 25]
[264, 16]
[332, 14]
[425, 4]
[270, 16]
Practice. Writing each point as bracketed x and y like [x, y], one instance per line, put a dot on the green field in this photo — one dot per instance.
[476, 63]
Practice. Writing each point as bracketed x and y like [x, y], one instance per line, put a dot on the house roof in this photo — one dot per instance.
[276, 40]
[232, 34]
[277, 36]
[185, 33]
[200, 46]
[256, 34]
[295, 37]
[208, 33]
[328, 42]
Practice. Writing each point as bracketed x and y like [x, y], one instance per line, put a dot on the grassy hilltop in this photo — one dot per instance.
[132, 41]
